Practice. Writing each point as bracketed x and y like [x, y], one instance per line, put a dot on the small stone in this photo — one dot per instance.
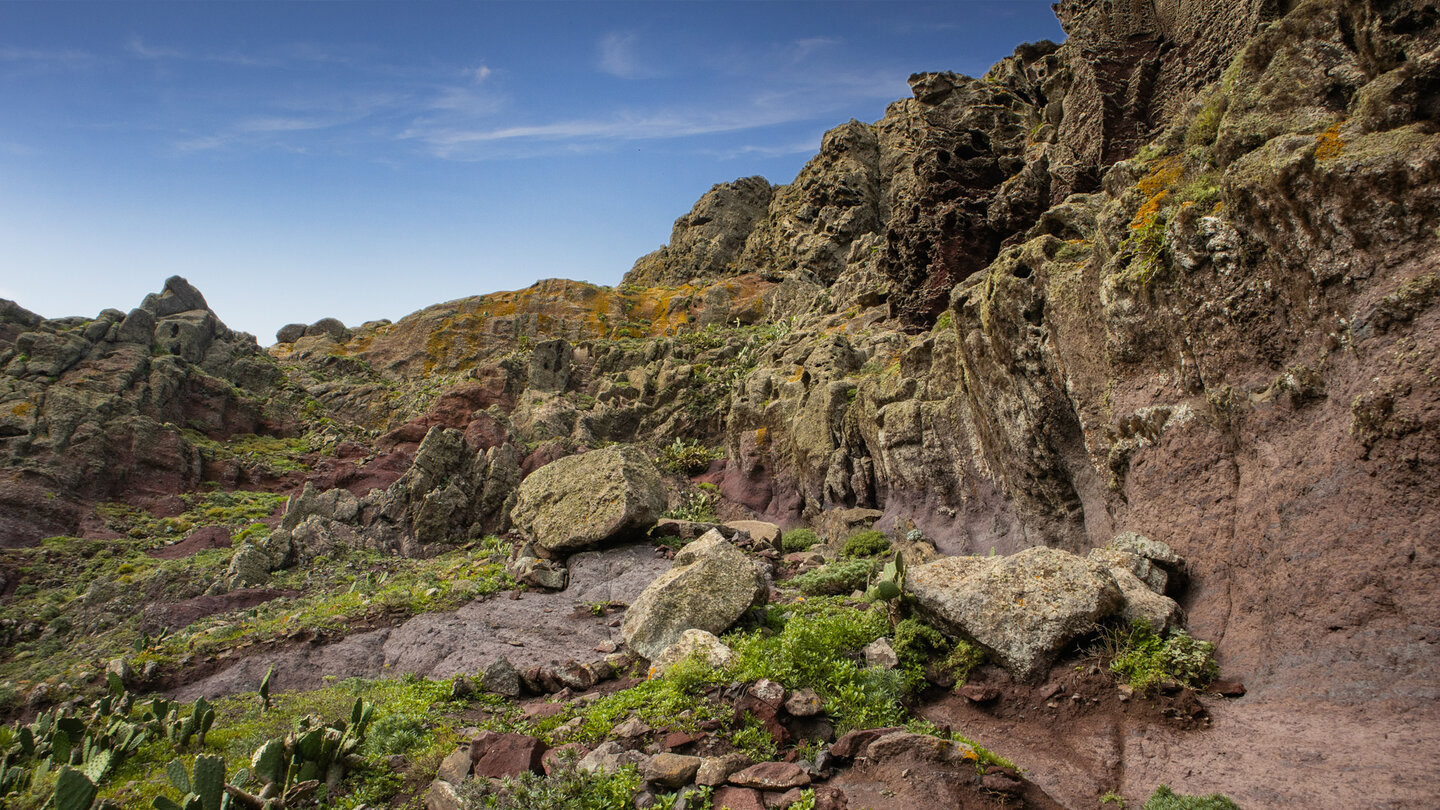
[715, 770]
[670, 770]
[632, 727]
[851, 743]
[442, 796]
[978, 693]
[461, 688]
[736, 798]
[606, 646]
[501, 678]
[1227, 688]
[879, 653]
[501, 755]
[803, 703]
[608, 757]
[771, 776]
[455, 767]
[1001, 782]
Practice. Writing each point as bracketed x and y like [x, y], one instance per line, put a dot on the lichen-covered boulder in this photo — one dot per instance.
[710, 586]
[1023, 609]
[579, 502]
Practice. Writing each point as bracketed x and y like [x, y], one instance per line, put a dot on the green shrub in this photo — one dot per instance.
[838, 578]
[698, 507]
[817, 647]
[687, 457]
[1166, 799]
[868, 543]
[396, 733]
[1144, 659]
[917, 643]
[798, 540]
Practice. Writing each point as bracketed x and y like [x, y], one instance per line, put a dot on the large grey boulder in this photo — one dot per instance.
[579, 502]
[1023, 609]
[710, 586]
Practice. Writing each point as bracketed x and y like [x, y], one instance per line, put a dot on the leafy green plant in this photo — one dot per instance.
[698, 507]
[798, 540]
[889, 583]
[1166, 799]
[1145, 660]
[818, 647]
[687, 457]
[840, 577]
[867, 543]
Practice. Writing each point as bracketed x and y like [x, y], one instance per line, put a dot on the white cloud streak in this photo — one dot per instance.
[618, 56]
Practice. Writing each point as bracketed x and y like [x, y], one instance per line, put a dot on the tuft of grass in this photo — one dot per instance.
[1166, 799]
[567, 789]
[698, 506]
[818, 647]
[687, 457]
[917, 643]
[837, 578]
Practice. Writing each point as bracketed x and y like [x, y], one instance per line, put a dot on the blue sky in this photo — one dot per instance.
[364, 160]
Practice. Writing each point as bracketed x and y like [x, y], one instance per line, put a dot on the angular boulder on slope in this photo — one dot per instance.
[1023, 609]
[711, 586]
[578, 502]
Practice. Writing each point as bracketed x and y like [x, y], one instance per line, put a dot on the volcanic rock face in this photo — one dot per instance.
[89, 407]
[1174, 276]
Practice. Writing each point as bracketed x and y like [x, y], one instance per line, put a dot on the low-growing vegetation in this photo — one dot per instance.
[868, 543]
[835, 578]
[798, 540]
[1145, 660]
[687, 457]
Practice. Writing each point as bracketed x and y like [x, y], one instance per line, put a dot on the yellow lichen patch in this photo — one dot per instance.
[22, 409]
[1146, 214]
[1329, 144]
[1165, 174]
[762, 436]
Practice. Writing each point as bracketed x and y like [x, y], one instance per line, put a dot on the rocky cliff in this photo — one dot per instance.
[1177, 276]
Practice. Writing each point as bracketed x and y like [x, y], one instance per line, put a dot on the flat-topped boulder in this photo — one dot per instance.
[1023, 608]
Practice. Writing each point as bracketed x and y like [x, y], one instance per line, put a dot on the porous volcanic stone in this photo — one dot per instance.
[710, 586]
[581, 501]
[1023, 609]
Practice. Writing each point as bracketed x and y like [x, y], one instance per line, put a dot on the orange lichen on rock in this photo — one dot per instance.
[1329, 143]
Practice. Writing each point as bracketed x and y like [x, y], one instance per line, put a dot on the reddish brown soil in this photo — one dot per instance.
[1260, 752]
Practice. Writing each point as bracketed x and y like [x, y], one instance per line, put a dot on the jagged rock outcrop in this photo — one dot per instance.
[706, 242]
[94, 408]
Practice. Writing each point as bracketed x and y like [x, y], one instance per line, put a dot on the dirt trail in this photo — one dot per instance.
[535, 629]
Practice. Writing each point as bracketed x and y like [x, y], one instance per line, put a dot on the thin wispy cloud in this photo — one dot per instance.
[136, 46]
[619, 56]
[25, 61]
[803, 49]
[481, 73]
